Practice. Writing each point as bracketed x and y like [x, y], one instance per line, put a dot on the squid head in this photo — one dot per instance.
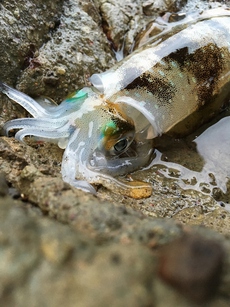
[102, 139]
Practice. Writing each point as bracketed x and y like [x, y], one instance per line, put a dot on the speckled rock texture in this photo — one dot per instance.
[61, 246]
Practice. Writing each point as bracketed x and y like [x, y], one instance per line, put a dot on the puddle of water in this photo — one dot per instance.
[202, 163]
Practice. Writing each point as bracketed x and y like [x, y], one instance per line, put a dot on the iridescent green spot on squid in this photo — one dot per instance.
[74, 97]
[108, 129]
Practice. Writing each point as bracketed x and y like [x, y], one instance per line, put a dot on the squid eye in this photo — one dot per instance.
[121, 145]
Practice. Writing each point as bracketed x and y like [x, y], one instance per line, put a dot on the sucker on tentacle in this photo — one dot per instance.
[108, 129]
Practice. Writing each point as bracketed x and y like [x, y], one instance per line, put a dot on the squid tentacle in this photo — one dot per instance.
[37, 110]
[24, 100]
[72, 161]
[39, 133]
[45, 124]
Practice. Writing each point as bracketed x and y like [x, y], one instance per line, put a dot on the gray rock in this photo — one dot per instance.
[76, 48]
[25, 27]
[44, 263]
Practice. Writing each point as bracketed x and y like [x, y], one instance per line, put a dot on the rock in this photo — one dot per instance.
[78, 44]
[44, 263]
[193, 265]
[4, 190]
[218, 219]
[25, 26]
[150, 7]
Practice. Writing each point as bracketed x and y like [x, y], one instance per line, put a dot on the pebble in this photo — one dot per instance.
[193, 265]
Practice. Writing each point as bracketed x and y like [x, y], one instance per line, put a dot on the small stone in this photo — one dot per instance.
[139, 193]
[60, 70]
[193, 265]
[17, 13]
[135, 189]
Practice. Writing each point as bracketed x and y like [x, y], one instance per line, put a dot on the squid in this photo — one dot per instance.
[170, 85]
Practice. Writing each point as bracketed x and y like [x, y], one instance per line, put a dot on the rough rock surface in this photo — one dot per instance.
[60, 246]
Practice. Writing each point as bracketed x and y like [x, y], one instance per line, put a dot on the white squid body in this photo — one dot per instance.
[108, 129]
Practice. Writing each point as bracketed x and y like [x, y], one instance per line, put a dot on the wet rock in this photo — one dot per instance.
[218, 219]
[102, 220]
[193, 265]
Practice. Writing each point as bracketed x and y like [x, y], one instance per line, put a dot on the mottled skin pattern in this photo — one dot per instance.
[205, 69]
[108, 129]
[205, 65]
